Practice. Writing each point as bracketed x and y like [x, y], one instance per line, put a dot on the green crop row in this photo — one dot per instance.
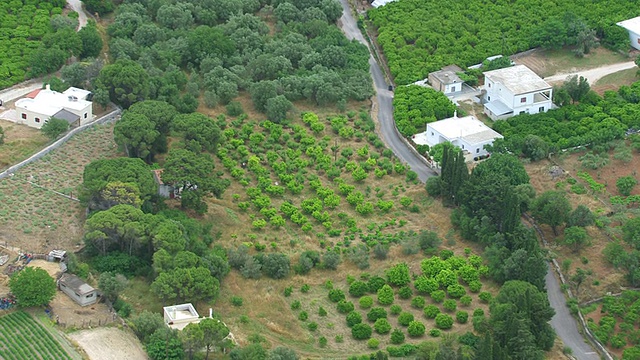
[23, 338]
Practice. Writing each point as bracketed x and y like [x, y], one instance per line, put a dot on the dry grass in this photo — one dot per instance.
[615, 80]
[37, 219]
[20, 142]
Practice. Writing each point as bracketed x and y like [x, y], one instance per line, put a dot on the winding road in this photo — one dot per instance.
[564, 324]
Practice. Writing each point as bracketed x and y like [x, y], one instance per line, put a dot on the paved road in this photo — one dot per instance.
[76, 6]
[562, 322]
[385, 107]
[593, 75]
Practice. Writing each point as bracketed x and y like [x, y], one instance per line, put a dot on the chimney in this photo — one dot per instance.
[210, 312]
[455, 114]
[48, 87]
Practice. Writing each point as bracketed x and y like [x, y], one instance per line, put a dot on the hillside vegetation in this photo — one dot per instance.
[420, 36]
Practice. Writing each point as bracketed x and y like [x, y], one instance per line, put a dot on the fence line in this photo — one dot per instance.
[601, 349]
[113, 115]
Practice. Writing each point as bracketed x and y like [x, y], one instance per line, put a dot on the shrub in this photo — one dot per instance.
[438, 296]
[466, 300]
[478, 312]
[345, 306]
[322, 311]
[462, 317]
[366, 302]
[373, 343]
[444, 321]
[331, 260]
[375, 283]
[336, 295]
[405, 318]
[395, 309]
[416, 329]
[288, 291]
[450, 305]
[380, 251]
[475, 286]
[376, 313]
[456, 291]
[303, 316]
[382, 326]
[435, 332]
[431, 311]
[418, 302]
[236, 301]
[425, 285]
[398, 275]
[485, 297]
[353, 318]
[385, 295]
[397, 336]
[322, 341]
[295, 305]
[234, 108]
[339, 338]
[405, 292]
[312, 326]
[361, 331]
[358, 288]
[276, 265]
[305, 288]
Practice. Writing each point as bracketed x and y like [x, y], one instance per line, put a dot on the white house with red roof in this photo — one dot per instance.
[42, 104]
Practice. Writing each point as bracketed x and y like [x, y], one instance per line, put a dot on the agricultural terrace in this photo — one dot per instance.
[29, 210]
[419, 37]
[22, 337]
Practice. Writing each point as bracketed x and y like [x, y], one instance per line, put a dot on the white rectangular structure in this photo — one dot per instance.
[179, 316]
[445, 81]
[633, 27]
[40, 105]
[515, 90]
[467, 133]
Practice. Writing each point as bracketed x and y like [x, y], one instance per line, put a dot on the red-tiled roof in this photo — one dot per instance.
[33, 94]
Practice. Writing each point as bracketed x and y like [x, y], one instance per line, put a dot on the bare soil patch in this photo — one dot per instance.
[109, 344]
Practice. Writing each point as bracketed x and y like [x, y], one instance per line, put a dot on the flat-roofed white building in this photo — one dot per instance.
[633, 27]
[515, 90]
[42, 104]
[467, 133]
[179, 316]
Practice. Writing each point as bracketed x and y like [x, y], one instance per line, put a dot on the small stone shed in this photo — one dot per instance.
[78, 290]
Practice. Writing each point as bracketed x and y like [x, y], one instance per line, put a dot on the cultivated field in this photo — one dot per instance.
[35, 218]
[22, 337]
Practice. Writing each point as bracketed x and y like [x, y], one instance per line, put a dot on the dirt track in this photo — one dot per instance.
[593, 75]
[109, 344]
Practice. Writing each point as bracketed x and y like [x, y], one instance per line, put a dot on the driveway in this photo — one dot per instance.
[593, 75]
[384, 99]
[562, 322]
[76, 5]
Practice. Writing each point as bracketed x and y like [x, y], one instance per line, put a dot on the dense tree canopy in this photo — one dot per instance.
[32, 286]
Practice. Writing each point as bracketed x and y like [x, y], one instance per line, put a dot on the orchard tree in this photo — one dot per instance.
[551, 208]
[214, 332]
[32, 286]
[576, 237]
[577, 87]
[625, 184]
[277, 108]
[91, 41]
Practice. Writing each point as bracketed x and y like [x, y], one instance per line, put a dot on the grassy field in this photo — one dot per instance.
[615, 80]
[21, 337]
[29, 211]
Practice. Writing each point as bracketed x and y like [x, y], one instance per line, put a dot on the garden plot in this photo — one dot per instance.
[35, 218]
[22, 337]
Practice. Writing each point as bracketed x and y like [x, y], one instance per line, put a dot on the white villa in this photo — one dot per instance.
[42, 104]
[179, 316]
[633, 27]
[515, 90]
[467, 133]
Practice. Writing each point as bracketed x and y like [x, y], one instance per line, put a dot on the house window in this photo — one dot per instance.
[23, 115]
[541, 109]
[523, 99]
[462, 147]
[37, 120]
[85, 115]
[488, 98]
[521, 112]
[477, 150]
[489, 84]
[453, 89]
[89, 296]
[432, 133]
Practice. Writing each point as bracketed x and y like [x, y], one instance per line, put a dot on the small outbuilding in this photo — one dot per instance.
[164, 190]
[78, 290]
[633, 27]
[446, 81]
[179, 316]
